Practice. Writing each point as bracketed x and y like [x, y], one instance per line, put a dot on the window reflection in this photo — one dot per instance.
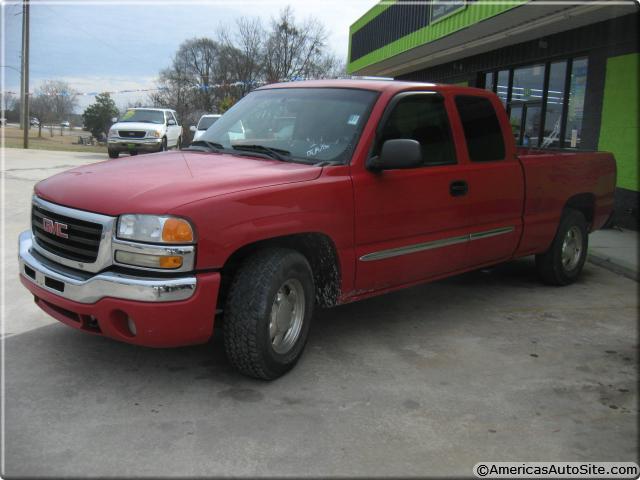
[515, 118]
[488, 81]
[524, 102]
[555, 98]
[531, 125]
[503, 86]
[528, 83]
[575, 113]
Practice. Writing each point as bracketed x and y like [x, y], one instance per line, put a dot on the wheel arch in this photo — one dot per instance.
[585, 203]
[319, 250]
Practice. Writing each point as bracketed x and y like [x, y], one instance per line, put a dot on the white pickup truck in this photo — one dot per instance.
[144, 130]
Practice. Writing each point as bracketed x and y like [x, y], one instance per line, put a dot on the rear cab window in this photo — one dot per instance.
[482, 131]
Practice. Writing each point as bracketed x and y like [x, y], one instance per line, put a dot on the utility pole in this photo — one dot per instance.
[25, 74]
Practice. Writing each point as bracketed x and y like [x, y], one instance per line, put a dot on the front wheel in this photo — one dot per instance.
[163, 145]
[113, 153]
[268, 313]
[563, 262]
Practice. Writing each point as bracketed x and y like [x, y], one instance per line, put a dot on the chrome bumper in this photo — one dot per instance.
[136, 141]
[89, 288]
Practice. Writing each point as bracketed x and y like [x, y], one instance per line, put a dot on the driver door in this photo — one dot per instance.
[413, 224]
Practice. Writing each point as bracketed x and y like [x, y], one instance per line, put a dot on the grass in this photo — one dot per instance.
[66, 142]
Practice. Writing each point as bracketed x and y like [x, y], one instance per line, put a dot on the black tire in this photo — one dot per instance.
[550, 265]
[113, 153]
[163, 145]
[248, 309]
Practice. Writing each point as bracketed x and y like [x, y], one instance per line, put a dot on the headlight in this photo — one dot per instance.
[155, 229]
[112, 133]
[154, 133]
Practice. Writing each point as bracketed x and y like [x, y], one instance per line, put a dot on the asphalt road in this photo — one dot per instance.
[487, 366]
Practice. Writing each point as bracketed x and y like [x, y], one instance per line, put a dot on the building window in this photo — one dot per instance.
[502, 88]
[573, 132]
[555, 100]
[540, 111]
[488, 81]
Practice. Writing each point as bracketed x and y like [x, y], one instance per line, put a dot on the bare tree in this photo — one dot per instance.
[243, 52]
[208, 76]
[53, 102]
[294, 51]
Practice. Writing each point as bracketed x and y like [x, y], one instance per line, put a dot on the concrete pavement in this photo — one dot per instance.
[616, 250]
[491, 365]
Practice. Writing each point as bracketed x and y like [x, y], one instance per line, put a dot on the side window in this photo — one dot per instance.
[481, 128]
[175, 117]
[421, 117]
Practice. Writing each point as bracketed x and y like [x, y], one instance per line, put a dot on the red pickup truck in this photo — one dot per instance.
[302, 195]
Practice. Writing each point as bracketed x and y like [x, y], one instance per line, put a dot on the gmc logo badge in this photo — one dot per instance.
[55, 228]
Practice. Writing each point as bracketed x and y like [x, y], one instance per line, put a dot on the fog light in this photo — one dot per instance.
[132, 326]
[152, 261]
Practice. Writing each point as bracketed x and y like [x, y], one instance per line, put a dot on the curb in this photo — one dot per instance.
[606, 263]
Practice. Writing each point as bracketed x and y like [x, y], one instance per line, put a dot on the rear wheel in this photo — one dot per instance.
[563, 262]
[179, 143]
[268, 313]
[113, 153]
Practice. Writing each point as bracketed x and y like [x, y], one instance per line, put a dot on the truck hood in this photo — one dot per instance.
[157, 183]
[136, 126]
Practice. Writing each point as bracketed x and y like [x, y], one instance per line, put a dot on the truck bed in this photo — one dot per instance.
[556, 178]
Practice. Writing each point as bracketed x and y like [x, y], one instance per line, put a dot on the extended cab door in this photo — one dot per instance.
[411, 224]
[494, 177]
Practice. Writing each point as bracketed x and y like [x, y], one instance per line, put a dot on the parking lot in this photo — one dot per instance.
[488, 366]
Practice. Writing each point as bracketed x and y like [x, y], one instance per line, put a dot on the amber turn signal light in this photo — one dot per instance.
[170, 262]
[177, 230]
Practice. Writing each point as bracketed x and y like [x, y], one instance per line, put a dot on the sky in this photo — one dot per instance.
[121, 45]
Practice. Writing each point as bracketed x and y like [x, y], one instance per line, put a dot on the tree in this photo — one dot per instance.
[295, 51]
[243, 52]
[52, 103]
[97, 117]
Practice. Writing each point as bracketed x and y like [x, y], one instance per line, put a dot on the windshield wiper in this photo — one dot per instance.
[277, 153]
[212, 146]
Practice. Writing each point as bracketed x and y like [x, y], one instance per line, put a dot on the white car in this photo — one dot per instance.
[205, 122]
[65, 124]
[144, 130]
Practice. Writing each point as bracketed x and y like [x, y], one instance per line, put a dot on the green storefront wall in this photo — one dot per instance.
[473, 13]
[619, 124]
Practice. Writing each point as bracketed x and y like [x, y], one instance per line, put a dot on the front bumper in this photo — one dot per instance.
[167, 312]
[88, 288]
[120, 144]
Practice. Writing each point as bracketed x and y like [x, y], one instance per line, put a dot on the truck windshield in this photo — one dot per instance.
[145, 116]
[310, 124]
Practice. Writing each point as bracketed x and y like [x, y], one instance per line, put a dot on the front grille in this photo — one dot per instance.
[83, 240]
[131, 133]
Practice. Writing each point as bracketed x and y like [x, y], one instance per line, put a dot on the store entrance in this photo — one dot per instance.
[525, 122]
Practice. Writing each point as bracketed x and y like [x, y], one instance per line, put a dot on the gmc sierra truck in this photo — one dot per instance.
[304, 195]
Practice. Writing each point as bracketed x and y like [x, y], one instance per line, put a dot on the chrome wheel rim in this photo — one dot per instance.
[287, 314]
[572, 248]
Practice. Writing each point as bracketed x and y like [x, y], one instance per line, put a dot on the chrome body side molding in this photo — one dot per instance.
[443, 242]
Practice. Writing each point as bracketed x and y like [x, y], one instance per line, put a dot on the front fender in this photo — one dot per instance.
[227, 223]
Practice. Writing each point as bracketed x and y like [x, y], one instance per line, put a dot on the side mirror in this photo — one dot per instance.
[114, 120]
[399, 153]
[171, 122]
[193, 128]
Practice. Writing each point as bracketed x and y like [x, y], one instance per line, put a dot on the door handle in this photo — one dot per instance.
[458, 188]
